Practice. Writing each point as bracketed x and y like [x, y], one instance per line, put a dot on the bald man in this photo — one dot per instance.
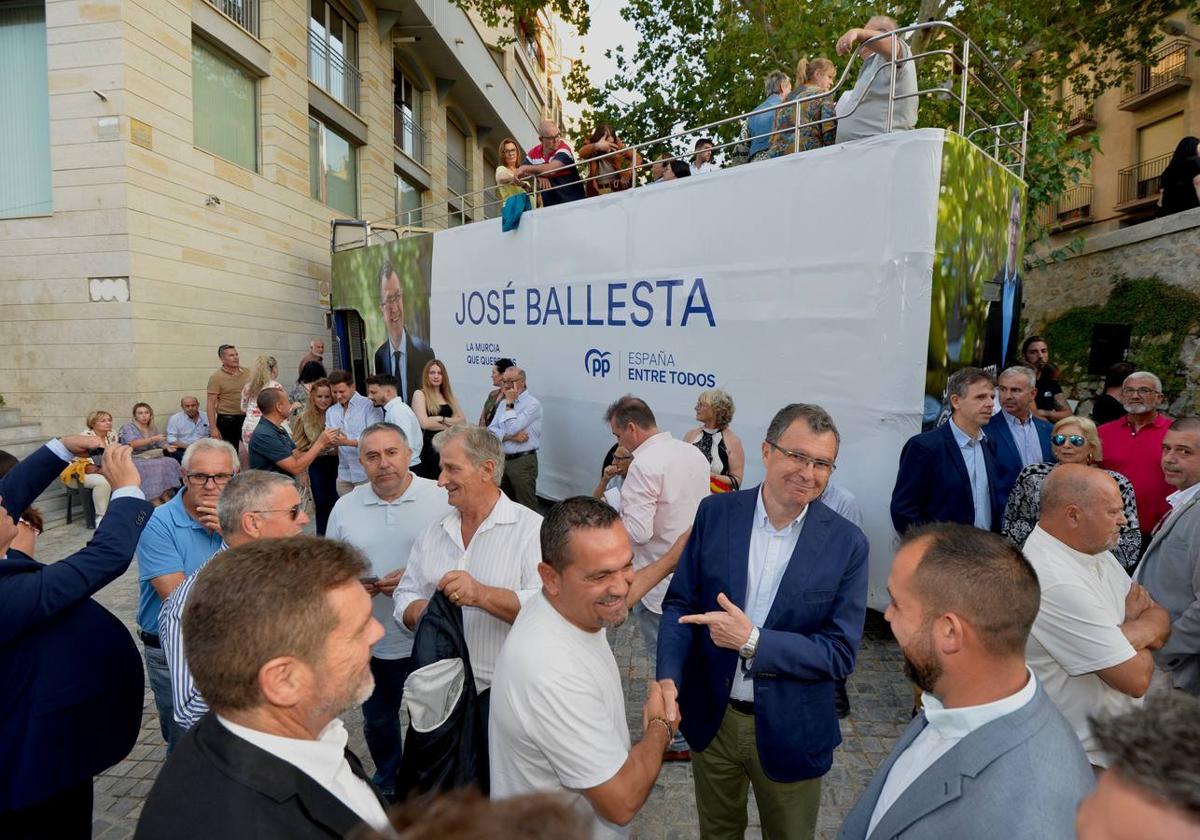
[553, 162]
[1091, 642]
[864, 111]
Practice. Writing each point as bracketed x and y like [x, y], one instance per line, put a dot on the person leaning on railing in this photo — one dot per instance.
[813, 78]
[607, 172]
[508, 180]
[864, 113]
[758, 125]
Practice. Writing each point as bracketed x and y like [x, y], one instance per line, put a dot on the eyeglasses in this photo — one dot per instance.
[1141, 392]
[1075, 440]
[202, 479]
[544, 137]
[800, 459]
[294, 510]
[393, 299]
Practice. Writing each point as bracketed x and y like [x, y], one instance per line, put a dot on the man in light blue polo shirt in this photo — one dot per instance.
[179, 538]
[383, 519]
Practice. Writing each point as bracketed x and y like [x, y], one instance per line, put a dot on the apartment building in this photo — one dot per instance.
[169, 170]
[1138, 125]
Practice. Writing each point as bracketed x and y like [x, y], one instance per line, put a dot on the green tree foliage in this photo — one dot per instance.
[699, 61]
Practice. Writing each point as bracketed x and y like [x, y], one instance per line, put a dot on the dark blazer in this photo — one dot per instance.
[932, 484]
[71, 686]
[1019, 777]
[808, 642]
[418, 354]
[216, 785]
[1008, 459]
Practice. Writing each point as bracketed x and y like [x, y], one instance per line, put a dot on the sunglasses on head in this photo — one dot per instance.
[1075, 440]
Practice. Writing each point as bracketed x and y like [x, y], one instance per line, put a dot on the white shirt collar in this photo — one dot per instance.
[504, 512]
[321, 759]
[762, 521]
[1039, 535]
[1181, 497]
[962, 721]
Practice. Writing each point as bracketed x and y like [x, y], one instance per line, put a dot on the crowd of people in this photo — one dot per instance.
[1044, 594]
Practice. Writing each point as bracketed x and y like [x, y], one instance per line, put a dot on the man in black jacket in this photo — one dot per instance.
[71, 683]
[278, 634]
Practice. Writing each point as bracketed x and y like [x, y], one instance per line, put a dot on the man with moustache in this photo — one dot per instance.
[989, 757]
[558, 711]
[1132, 446]
[279, 636]
[761, 620]
[403, 355]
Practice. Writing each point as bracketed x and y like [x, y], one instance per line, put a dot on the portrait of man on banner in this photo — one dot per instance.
[1004, 315]
[402, 354]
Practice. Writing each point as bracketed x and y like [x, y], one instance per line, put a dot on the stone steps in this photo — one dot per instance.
[20, 438]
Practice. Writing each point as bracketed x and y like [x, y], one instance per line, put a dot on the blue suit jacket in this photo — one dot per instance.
[418, 354]
[932, 484]
[71, 686]
[1008, 459]
[809, 640]
[1020, 777]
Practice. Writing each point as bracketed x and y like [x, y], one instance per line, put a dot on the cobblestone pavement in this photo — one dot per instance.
[879, 694]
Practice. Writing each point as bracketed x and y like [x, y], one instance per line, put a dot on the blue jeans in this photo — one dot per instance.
[381, 720]
[159, 676]
[648, 621]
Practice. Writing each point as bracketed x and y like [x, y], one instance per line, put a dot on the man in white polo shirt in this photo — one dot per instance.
[558, 712]
[1091, 641]
[383, 519]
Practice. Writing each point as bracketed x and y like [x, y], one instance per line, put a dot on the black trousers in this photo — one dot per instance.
[65, 816]
[229, 427]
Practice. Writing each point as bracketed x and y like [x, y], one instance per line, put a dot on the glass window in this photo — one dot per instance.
[408, 203]
[333, 168]
[25, 140]
[224, 107]
[409, 136]
[333, 53]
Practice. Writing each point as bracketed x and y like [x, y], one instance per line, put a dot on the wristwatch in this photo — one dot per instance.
[747, 650]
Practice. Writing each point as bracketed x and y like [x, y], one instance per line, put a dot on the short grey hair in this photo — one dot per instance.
[882, 23]
[1147, 748]
[382, 426]
[962, 379]
[775, 82]
[479, 444]
[818, 421]
[1145, 374]
[1021, 370]
[206, 444]
[245, 493]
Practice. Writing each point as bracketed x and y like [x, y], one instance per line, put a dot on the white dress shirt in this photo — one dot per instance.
[359, 413]
[397, 412]
[505, 553]
[525, 416]
[323, 760]
[385, 533]
[944, 729]
[770, 552]
[976, 463]
[665, 483]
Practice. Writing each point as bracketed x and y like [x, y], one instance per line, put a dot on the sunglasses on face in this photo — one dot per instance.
[1074, 440]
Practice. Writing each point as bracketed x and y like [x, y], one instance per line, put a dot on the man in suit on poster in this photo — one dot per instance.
[403, 355]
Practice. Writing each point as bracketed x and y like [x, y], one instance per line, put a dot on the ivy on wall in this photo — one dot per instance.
[1161, 315]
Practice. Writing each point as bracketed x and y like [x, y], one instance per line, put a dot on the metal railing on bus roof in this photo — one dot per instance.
[1002, 136]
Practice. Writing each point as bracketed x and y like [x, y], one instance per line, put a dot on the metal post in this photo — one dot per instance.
[966, 73]
[1024, 140]
[796, 128]
[892, 80]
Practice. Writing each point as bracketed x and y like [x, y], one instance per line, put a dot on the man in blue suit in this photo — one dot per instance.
[403, 355]
[989, 757]
[949, 474]
[1019, 436]
[71, 684]
[763, 617]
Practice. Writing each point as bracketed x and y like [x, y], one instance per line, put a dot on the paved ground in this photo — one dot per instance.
[878, 691]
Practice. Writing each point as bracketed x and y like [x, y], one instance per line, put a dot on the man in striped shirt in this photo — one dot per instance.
[254, 505]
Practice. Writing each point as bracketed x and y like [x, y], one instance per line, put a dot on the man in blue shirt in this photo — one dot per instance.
[186, 427]
[179, 538]
[758, 126]
[350, 413]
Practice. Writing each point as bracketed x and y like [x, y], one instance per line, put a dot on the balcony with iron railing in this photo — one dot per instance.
[1079, 115]
[242, 12]
[458, 182]
[1165, 72]
[332, 72]
[1139, 186]
[409, 137]
[1071, 209]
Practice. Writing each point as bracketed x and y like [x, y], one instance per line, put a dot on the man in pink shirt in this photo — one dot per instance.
[1133, 447]
[664, 486]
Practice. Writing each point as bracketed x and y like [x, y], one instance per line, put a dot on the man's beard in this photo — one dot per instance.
[349, 697]
[1138, 408]
[617, 620]
[924, 674]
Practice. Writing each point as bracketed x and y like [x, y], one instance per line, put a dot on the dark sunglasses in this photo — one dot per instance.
[1076, 440]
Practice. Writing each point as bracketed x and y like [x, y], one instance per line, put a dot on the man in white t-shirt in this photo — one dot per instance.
[1090, 644]
[557, 710]
[384, 391]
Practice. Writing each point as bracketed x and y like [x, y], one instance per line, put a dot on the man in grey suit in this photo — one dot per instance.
[989, 756]
[1170, 568]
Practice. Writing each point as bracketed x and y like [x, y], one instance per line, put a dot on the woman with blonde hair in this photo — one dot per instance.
[1073, 441]
[508, 182]
[818, 124]
[85, 472]
[262, 375]
[158, 474]
[308, 426]
[436, 408]
[717, 442]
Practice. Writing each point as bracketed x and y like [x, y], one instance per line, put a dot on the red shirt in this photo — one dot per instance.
[1137, 455]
